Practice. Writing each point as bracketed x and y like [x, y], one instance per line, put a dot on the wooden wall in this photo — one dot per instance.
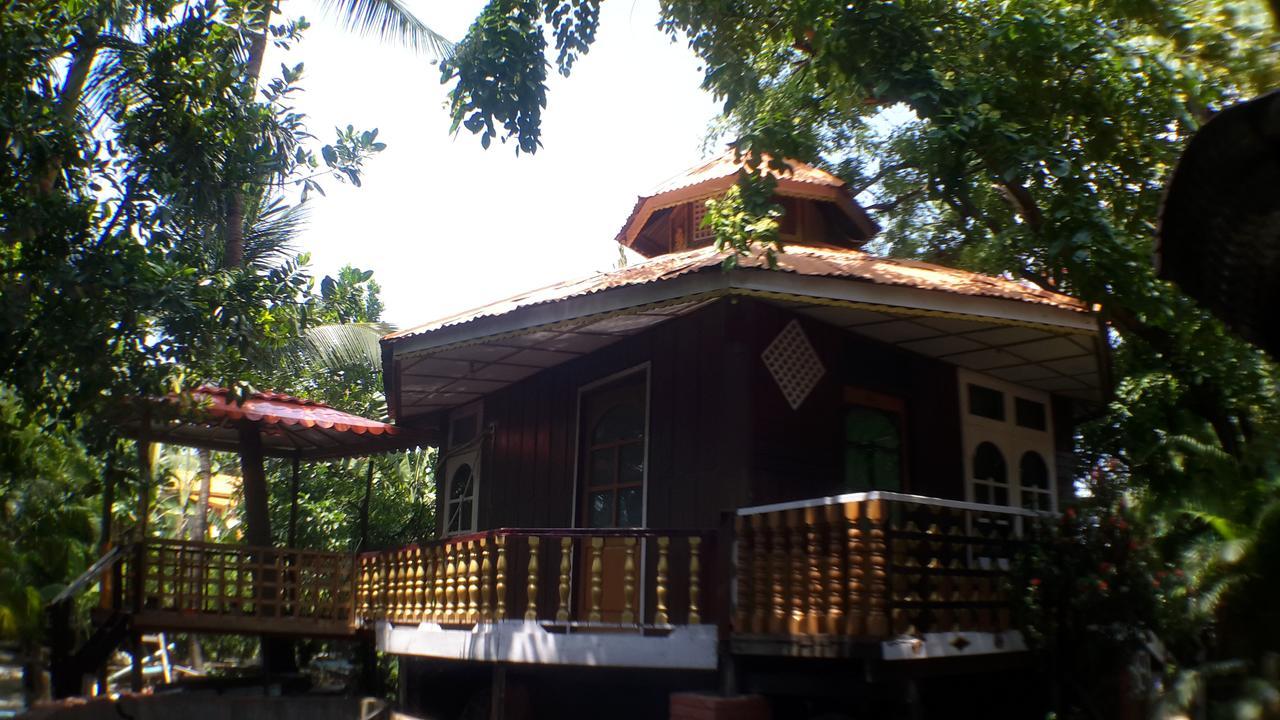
[721, 434]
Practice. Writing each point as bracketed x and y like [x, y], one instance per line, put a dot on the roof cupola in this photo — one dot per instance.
[818, 209]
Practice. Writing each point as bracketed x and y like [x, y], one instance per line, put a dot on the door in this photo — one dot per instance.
[613, 431]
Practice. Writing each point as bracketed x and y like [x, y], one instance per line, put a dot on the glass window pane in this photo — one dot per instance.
[985, 402]
[454, 515]
[600, 509]
[1030, 414]
[981, 493]
[464, 515]
[630, 507]
[1032, 471]
[631, 464]
[460, 484]
[887, 474]
[602, 468]
[999, 495]
[867, 426]
[988, 464]
[624, 421]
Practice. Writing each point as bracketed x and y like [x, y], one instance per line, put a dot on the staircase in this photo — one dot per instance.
[71, 663]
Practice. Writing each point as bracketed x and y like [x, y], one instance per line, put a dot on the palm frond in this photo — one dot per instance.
[343, 345]
[269, 239]
[389, 21]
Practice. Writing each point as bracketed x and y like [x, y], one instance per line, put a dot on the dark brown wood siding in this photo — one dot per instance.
[721, 434]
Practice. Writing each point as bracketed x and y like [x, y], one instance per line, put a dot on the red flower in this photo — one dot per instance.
[1104, 567]
[1071, 513]
[1035, 582]
[1103, 586]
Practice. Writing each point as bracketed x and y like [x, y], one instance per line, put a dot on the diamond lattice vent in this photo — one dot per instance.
[793, 363]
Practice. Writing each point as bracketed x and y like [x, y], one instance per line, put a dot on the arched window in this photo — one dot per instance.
[1033, 482]
[990, 475]
[460, 509]
[614, 418]
[872, 450]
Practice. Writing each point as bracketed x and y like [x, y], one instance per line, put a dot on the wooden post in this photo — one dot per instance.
[257, 521]
[877, 619]
[473, 582]
[816, 559]
[778, 573]
[485, 587]
[835, 576]
[450, 583]
[442, 569]
[799, 579]
[293, 503]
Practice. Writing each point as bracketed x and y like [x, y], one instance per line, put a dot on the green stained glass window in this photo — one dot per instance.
[872, 450]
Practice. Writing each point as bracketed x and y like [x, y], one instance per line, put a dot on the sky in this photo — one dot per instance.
[447, 226]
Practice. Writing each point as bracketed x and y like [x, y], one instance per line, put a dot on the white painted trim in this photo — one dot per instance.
[944, 645]
[887, 496]
[686, 647]
[470, 457]
[475, 407]
[1012, 439]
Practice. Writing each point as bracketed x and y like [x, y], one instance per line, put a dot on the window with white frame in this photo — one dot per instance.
[460, 509]
[1008, 436]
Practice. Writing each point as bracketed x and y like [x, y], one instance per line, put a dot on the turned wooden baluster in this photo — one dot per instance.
[473, 581]
[442, 569]
[695, 578]
[500, 578]
[799, 577]
[835, 579]
[562, 587]
[485, 587]
[451, 583]
[597, 578]
[531, 608]
[778, 573]
[855, 609]
[365, 579]
[660, 590]
[629, 580]
[429, 584]
[877, 621]
[816, 558]
[419, 574]
[759, 575]
[743, 565]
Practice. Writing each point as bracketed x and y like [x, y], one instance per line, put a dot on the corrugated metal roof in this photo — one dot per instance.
[797, 259]
[727, 165]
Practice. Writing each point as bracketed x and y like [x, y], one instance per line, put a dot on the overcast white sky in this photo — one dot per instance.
[447, 226]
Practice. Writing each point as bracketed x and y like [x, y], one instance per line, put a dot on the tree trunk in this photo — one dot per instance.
[233, 247]
[35, 686]
[201, 528]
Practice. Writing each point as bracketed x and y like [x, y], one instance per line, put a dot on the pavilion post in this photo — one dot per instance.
[293, 503]
[257, 520]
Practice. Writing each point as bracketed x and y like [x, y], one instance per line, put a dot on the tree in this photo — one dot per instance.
[1025, 138]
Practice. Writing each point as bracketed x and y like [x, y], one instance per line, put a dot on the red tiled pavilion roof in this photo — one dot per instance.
[210, 417]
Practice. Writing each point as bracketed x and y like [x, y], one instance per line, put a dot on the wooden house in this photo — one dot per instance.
[804, 479]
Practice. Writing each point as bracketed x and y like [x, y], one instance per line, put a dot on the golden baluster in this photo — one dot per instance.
[778, 573]
[855, 612]
[363, 588]
[500, 578]
[562, 588]
[695, 579]
[451, 582]
[816, 559]
[442, 569]
[419, 604]
[531, 609]
[393, 586]
[877, 622]
[835, 578]
[485, 588]
[759, 575]
[799, 576]
[429, 584]
[597, 578]
[629, 580]
[473, 582]
[744, 563]
[660, 611]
